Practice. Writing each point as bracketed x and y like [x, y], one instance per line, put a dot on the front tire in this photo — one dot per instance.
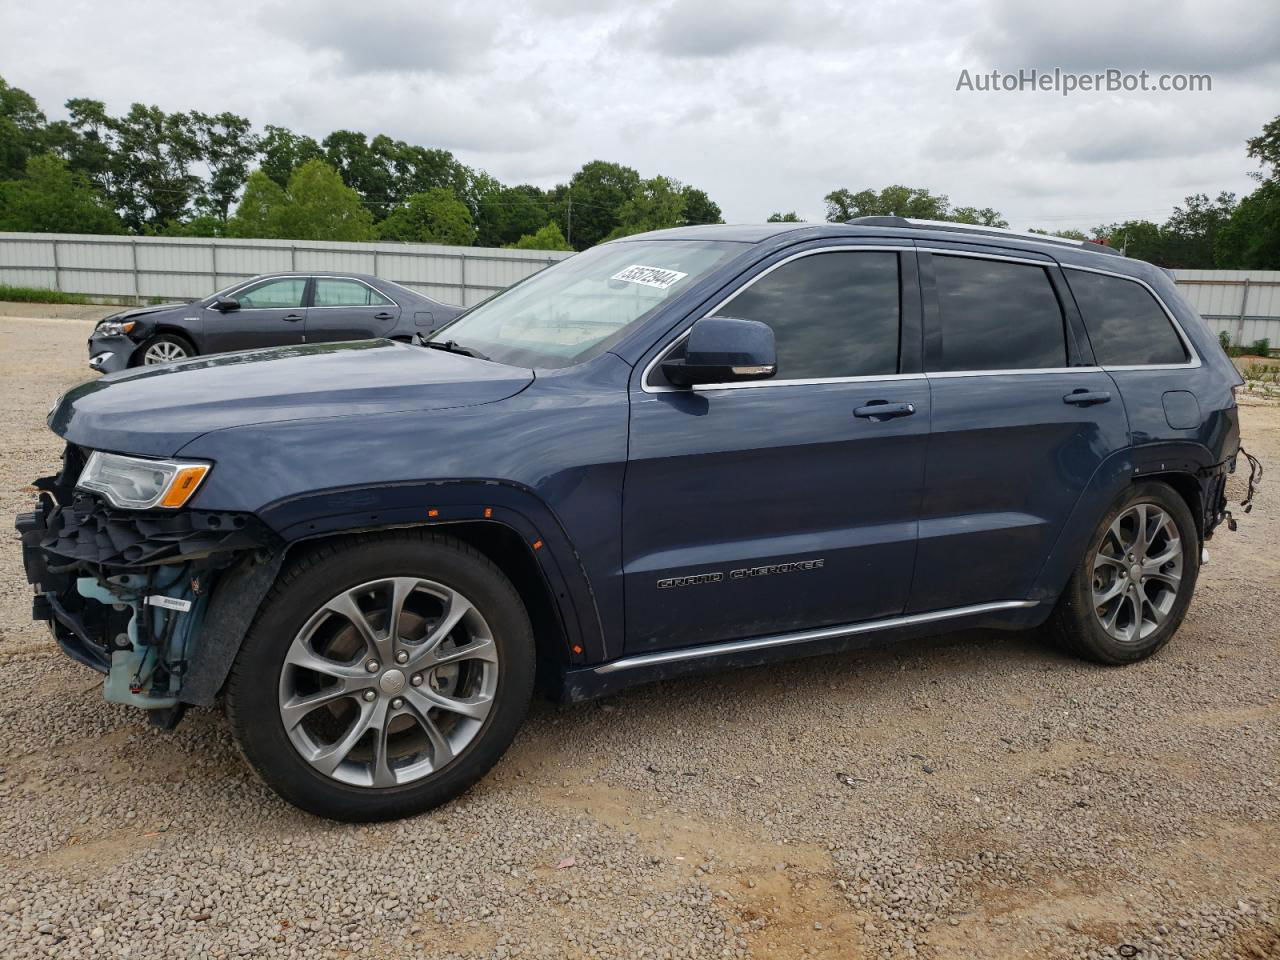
[383, 676]
[163, 348]
[1131, 589]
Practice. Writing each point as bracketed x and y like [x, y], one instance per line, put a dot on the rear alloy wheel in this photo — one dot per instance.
[1132, 588]
[383, 676]
[1137, 571]
[165, 348]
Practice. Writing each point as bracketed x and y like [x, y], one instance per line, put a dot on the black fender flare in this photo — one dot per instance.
[297, 520]
[1123, 467]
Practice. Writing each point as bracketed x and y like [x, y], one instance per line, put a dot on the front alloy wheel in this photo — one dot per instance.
[163, 350]
[383, 675]
[388, 682]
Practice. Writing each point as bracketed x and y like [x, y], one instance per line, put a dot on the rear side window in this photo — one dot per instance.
[346, 293]
[833, 314]
[996, 315]
[1126, 325]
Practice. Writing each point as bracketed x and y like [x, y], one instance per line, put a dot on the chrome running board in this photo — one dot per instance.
[804, 636]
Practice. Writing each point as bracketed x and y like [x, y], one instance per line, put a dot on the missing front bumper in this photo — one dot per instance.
[126, 592]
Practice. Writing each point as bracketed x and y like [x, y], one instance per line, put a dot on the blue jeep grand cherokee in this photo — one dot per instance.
[686, 450]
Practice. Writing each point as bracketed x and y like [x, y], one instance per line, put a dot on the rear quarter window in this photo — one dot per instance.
[1126, 326]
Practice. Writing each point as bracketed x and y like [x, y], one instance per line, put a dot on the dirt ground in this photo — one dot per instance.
[978, 796]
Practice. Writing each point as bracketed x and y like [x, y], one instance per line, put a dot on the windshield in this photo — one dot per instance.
[580, 307]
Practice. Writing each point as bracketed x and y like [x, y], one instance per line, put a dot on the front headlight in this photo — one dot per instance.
[115, 328]
[137, 484]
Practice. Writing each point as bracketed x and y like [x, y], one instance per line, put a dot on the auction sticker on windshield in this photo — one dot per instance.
[649, 276]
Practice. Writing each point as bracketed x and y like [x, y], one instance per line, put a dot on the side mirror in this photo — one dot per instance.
[724, 350]
[225, 304]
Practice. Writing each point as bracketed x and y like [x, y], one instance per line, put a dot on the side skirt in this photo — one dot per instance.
[586, 683]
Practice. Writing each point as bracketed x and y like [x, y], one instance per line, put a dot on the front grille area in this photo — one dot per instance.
[88, 530]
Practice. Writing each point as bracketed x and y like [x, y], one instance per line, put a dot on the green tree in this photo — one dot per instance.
[545, 238]
[1067, 234]
[700, 208]
[508, 214]
[22, 130]
[50, 198]
[434, 216]
[1191, 232]
[897, 200]
[283, 151]
[791, 217]
[1250, 240]
[986, 217]
[148, 159]
[589, 206]
[916, 203]
[656, 203]
[1142, 239]
[227, 145]
[316, 205]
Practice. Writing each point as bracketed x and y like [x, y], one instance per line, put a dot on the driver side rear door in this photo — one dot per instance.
[344, 308]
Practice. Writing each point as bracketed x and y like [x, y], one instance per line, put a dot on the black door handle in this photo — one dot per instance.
[878, 410]
[383, 316]
[293, 317]
[1086, 398]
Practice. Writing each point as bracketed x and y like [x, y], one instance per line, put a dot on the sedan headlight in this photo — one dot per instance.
[115, 328]
[133, 483]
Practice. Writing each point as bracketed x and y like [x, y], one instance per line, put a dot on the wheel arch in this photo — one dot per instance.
[1183, 467]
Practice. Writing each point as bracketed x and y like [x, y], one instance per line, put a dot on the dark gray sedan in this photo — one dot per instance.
[272, 310]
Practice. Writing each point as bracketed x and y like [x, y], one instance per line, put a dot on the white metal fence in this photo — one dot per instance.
[1245, 304]
[179, 268]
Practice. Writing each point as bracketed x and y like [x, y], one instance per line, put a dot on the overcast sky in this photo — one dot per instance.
[766, 105]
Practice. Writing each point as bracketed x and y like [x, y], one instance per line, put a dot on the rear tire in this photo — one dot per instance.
[410, 754]
[1130, 591]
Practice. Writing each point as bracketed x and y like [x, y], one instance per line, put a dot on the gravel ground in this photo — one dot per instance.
[969, 796]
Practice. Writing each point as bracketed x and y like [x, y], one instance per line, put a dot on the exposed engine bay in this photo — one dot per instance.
[126, 592]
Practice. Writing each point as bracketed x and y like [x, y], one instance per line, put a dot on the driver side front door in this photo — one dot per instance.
[271, 314]
[758, 508]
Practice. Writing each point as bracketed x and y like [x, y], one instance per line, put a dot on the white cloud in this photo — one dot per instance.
[766, 106]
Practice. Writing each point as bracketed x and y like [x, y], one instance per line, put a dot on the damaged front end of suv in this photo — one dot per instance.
[125, 576]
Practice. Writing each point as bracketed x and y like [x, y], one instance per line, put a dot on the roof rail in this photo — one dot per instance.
[978, 228]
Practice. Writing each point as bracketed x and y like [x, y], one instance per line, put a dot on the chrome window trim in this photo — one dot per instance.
[349, 306]
[804, 636]
[978, 255]
[1187, 345]
[838, 248]
[1021, 371]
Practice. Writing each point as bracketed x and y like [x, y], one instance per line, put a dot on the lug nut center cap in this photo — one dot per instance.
[1135, 572]
[391, 682]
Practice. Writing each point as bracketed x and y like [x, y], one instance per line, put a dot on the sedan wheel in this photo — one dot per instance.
[164, 351]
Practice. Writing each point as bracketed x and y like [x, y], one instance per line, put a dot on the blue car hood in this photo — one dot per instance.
[155, 411]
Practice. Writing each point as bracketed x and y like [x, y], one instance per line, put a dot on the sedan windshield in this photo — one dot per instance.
[582, 306]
